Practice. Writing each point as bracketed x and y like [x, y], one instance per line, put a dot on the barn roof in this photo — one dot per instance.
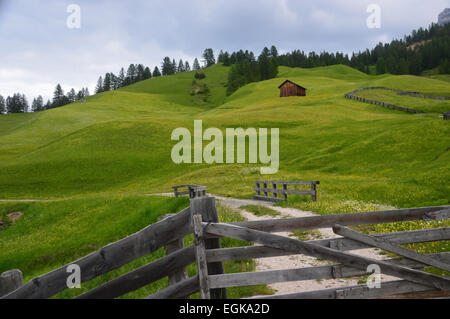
[292, 83]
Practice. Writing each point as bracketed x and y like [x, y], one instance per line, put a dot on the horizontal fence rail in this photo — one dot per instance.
[263, 187]
[343, 244]
[311, 273]
[142, 276]
[351, 219]
[110, 257]
[356, 261]
[358, 292]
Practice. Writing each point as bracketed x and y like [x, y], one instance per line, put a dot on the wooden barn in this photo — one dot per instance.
[289, 88]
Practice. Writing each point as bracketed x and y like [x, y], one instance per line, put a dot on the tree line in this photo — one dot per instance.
[18, 103]
[246, 68]
[424, 49]
[138, 72]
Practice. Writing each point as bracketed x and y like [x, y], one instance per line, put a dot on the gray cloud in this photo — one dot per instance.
[38, 50]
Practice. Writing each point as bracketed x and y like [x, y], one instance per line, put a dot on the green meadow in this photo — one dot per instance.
[94, 161]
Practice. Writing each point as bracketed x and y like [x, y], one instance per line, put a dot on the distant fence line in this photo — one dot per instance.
[192, 190]
[403, 92]
[352, 96]
[283, 192]
[447, 116]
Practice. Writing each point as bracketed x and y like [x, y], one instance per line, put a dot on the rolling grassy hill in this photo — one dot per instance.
[119, 142]
[99, 157]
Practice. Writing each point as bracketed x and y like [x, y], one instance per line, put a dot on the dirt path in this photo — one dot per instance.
[299, 261]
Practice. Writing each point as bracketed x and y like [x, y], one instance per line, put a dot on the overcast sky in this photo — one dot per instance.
[38, 50]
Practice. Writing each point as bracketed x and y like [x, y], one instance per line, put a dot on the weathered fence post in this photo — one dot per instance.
[192, 193]
[285, 194]
[200, 256]
[275, 195]
[10, 281]
[314, 190]
[170, 248]
[206, 207]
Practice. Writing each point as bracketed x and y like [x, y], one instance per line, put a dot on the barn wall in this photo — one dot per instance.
[301, 92]
[289, 89]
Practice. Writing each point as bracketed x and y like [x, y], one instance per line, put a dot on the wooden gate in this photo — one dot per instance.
[201, 220]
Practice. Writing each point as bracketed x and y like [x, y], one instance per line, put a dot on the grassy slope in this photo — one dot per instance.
[102, 154]
[40, 239]
[120, 141]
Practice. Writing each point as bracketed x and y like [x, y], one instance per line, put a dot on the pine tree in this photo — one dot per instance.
[121, 78]
[71, 96]
[147, 73]
[2, 105]
[444, 67]
[80, 95]
[402, 67]
[114, 82]
[48, 105]
[107, 83]
[220, 57]
[381, 66]
[266, 66]
[140, 72]
[59, 98]
[181, 66]
[17, 103]
[168, 67]
[156, 72]
[208, 57]
[10, 105]
[174, 66]
[226, 59]
[38, 104]
[196, 65]
[131, 75]
[99, 87]
[273, 52]
[24, 103]
[187, 67]
[415, 64]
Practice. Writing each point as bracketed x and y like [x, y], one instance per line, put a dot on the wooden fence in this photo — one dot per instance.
[201, 219]
[352, 96]
[190, 189]
[263, 187]
[403, 92]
